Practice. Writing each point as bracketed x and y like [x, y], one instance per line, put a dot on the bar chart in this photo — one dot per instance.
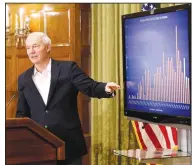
[169, 83]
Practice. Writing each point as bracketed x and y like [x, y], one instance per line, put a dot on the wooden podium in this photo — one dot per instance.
[28, 143]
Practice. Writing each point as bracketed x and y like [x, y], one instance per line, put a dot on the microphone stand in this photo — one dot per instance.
[10, 100]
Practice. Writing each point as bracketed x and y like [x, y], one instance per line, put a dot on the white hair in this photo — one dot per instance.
[45, 39]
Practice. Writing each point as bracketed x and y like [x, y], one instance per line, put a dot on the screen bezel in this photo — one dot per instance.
[147, 116]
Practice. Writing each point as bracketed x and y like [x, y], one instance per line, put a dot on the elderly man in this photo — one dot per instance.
[48, 95]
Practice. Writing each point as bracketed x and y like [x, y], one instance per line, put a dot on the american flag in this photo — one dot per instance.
[148, 6]
[154, 136]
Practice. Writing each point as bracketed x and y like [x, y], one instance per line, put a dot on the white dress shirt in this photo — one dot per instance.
[42, 81]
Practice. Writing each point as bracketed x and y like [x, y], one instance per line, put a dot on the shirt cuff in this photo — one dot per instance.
[112, 93]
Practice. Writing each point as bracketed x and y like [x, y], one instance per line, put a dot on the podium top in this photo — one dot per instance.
[34, 127]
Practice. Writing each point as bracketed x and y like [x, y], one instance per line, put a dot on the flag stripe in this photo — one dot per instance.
[147, 141]
[136, 134]
[139, 135]
[152, 136]
[169, 132]
[174, 135]
[164, 132]
[159, 135]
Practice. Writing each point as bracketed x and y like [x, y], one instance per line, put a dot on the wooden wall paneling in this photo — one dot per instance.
[61, 52]
[58, 28]
[59, 21]
[85, 25]
[84, 43]
[19, 62]
[77, 53]
[35, 20]
[9, 76]
[10, 69]
[38, 12]
[73, 36]
[11, 91]
[23, 63]
[86, 61]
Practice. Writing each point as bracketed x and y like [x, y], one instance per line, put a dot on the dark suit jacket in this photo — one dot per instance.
[60, 115]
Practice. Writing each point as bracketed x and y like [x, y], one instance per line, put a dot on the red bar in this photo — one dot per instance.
[188, 91]
[174, 86]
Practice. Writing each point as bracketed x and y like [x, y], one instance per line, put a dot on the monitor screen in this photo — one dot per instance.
[156, 50]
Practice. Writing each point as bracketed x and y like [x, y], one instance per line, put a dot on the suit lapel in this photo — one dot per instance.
[30, 84]
[55, 69]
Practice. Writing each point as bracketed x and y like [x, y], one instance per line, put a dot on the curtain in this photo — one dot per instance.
[109, 130]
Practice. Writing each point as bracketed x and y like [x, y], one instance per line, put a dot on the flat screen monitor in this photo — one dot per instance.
[157, 65]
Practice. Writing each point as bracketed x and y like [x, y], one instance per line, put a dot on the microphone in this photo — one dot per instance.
[9, 102]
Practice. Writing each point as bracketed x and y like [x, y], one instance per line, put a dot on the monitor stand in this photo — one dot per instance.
[184, 140]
